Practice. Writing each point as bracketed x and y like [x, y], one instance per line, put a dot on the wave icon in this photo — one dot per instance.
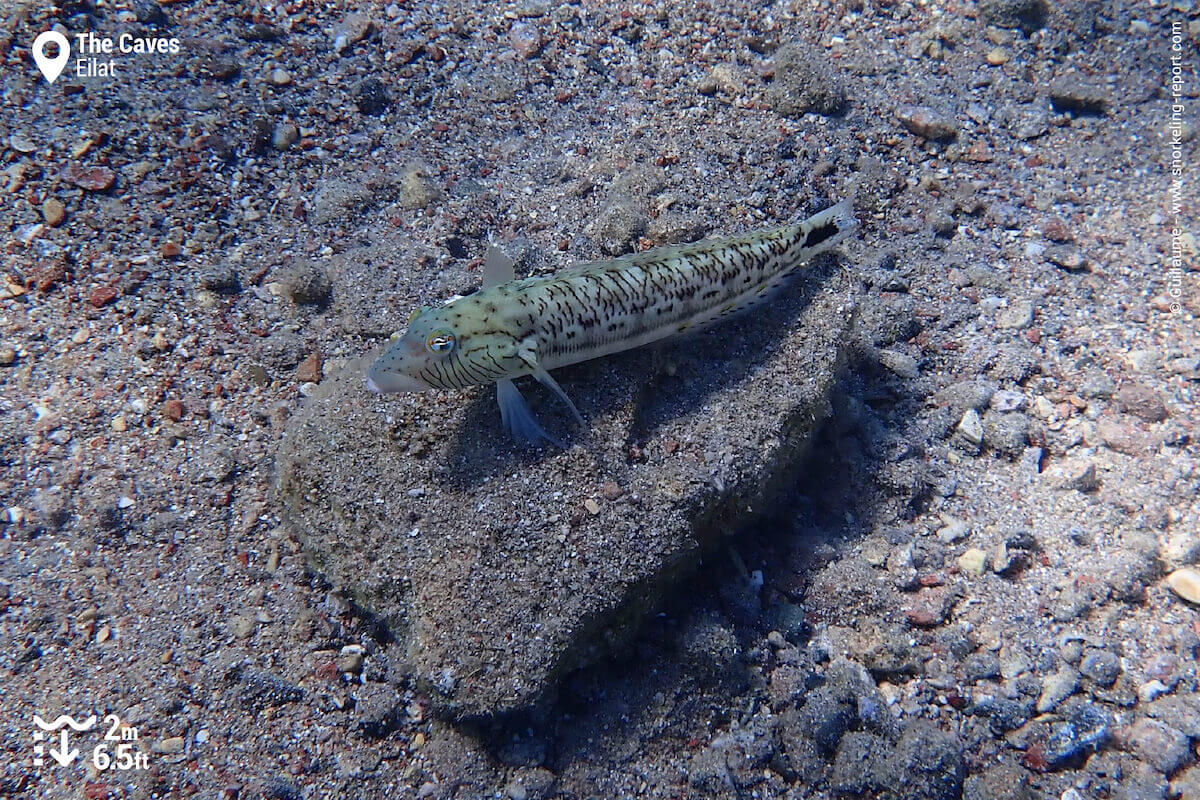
[62, 720]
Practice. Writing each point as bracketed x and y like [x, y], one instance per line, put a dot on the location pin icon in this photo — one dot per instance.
[51, 67]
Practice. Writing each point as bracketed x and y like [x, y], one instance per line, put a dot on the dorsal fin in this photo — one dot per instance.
[497, 267]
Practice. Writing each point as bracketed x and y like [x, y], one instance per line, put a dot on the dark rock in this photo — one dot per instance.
[1006, 434]
[710, 648]
[1086, 729]
[1144, 403]
[149, 13]
[283, 349]
[1161, 746]
[280, 789]
[371, 96]
[305, 283]
[1028, 15]
[1101, 666]
[220, 277]
[219, 66]
[927, 764]
[258, 689]
[262, 130]
[891, 319]
[966, 394]
[981, 666]
[860, 764]
[1073, 93]
[790, 620]
[478, 631]
[377, 710]
[1002, 782]
[1004, 713]
[262, 32]
[617, 227]
[805, 82]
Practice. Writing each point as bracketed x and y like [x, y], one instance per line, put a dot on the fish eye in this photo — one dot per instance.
[440, 342]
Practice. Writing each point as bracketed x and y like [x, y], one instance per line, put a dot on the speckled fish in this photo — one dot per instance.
[511, 328]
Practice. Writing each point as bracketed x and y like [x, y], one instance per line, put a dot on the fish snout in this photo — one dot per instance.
[382, 381]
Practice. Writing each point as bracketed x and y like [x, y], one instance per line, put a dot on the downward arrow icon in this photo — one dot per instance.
[64, 755]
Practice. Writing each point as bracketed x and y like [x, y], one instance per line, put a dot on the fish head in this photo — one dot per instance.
[444, 349]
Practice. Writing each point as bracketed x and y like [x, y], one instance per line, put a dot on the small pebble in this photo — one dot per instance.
[1142, 402]
[22, 144]
[173, 410]
[94, 179]
[280, 77]
[805, 82]
[1185, 582]
[102, 296]
[1077, 474]
[952, 529]
[1072, 93]
[1056, 688]
[926, 122]
[592, 506]
[900, 364]
[284, 136]
[310, 369]
[997, 56]
[1006, 400]
[1017, 316]
[354, 28]
[525, 38]
[169, 746]
[1056, 230]
[371, 96]
[1065, 256]
[8, 356]
[53, 212]
[350, 661]
[968, 435]
[1101, 666]
[973, 562]
[1150, 690]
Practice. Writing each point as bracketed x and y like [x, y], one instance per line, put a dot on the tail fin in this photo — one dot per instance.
[825, 229]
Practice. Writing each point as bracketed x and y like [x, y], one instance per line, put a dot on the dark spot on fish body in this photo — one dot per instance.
[818, 235]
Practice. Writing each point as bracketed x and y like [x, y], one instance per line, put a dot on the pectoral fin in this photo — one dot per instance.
[516, 414]
[551, 384]
[528, 354]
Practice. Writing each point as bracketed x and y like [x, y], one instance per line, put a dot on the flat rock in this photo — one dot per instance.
[499, 567]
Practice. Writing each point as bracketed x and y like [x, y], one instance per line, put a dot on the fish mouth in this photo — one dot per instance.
[381, 382]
